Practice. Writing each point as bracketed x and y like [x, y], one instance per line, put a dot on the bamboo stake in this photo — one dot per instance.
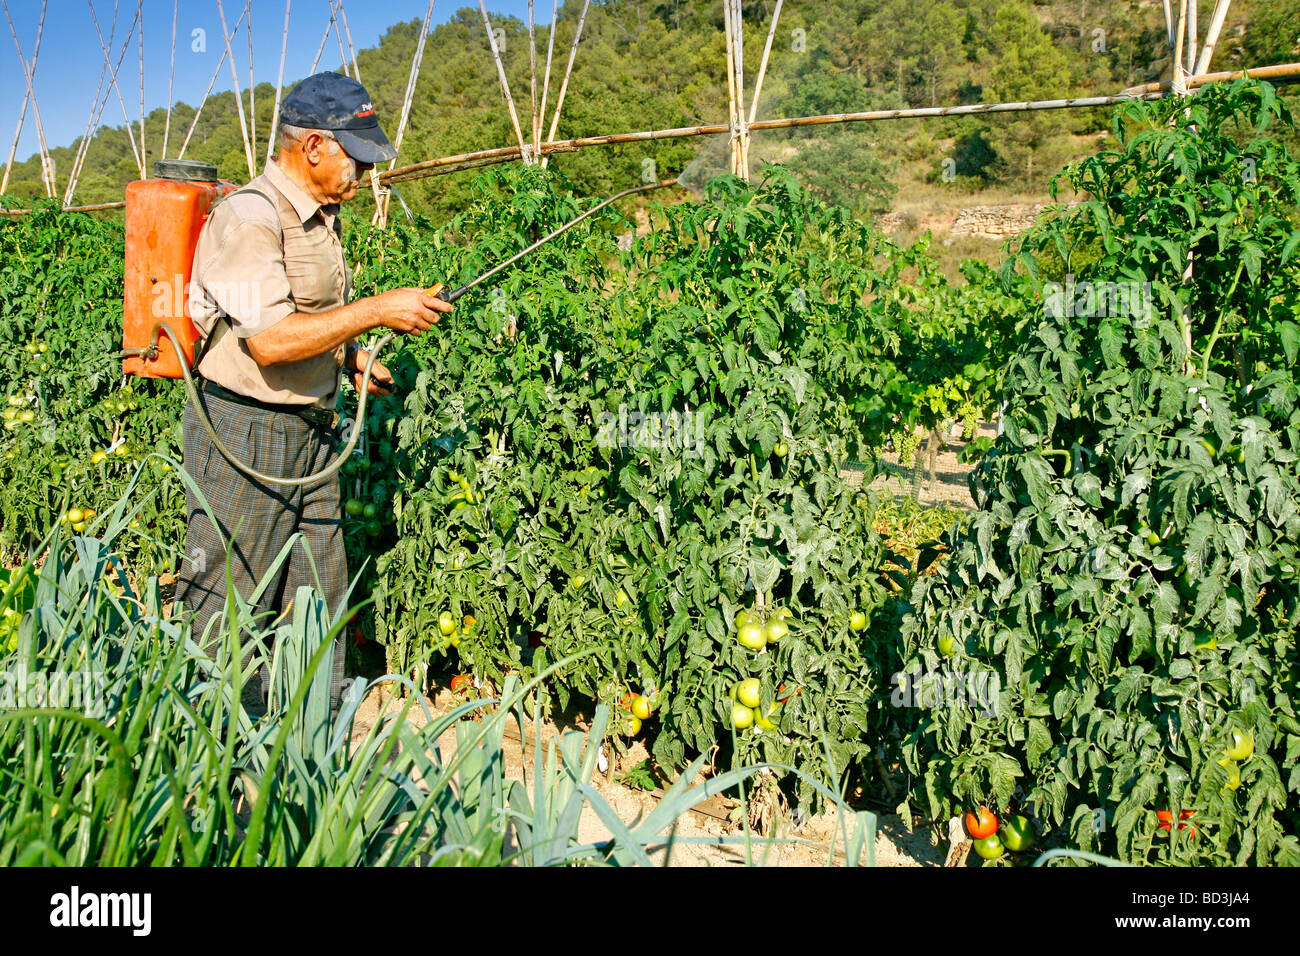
[92, 121]
[121, 101]
[381, 213]
[29, 74]
[212, 81]
[1212, 35]
[762, 66]
[1180, 85]
[1191, 36]
[1180, 90]
[338, 36]
[536, 131]
[347, 30]
[279, 85]
[13, 150]
[546, 82]
[144, 154]
[1169, 23]
[564, 86]
[321, 49]
[252, 106]
[239, 98]
[171, 78]
[738, 43]
[505, 85]
[733, 146]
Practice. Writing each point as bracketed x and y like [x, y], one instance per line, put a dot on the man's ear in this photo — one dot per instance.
[313, 148]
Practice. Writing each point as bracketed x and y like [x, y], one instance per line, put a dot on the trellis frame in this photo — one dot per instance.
[1190, 56]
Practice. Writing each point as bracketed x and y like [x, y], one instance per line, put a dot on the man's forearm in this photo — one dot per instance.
[302, 336]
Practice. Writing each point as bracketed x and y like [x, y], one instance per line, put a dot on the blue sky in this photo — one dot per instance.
[68, 68]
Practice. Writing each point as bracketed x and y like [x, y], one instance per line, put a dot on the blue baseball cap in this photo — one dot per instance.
[340, 104]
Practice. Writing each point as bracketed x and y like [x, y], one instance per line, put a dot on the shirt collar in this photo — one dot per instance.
[302, 203]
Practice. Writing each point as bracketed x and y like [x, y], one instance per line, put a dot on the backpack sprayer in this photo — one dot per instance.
[164, 216]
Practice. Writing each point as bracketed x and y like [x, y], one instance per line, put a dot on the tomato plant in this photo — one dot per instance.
[1109, 538]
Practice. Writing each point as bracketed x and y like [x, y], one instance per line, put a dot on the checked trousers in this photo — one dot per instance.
[258, 519]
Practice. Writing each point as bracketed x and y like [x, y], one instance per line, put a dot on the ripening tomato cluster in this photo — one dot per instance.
[452, 631]
[78, 518]
[639, 707]
[366, 514]
[991, 841]
[747, 704]
[755, 633]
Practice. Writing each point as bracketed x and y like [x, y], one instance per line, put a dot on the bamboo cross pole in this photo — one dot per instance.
[1152, 91]
[121, 101]
[29, 74]
[239, 98]
[99, 102]
[505, 84]
[279, 86]
[381, 212]
[171, 78]
[568, 70]
[221, 61]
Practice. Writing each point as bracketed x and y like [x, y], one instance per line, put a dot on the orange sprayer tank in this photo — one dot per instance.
[163, 219]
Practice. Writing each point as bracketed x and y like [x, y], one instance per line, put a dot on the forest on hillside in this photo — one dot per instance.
[644, 64]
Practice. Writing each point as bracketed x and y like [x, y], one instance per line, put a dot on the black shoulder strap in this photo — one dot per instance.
[222, 325]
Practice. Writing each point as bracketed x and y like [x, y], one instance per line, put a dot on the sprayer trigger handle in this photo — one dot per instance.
[435, 290]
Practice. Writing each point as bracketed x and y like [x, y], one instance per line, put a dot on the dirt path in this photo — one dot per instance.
[949, 486]
[894, 846]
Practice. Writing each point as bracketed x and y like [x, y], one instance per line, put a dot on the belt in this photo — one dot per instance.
[323, 418]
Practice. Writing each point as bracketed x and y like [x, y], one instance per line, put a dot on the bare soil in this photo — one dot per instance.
[819, 844]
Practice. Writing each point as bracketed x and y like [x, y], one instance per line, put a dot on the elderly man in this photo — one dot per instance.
[270, 297]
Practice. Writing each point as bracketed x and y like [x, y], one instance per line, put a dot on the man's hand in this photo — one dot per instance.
[381, 380]
[410, 310]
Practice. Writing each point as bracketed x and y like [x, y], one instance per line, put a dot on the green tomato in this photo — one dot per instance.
[747, 692]
[621, 598]
[370, 512]
[858, 621]
[1017, 834]
[1242, 746]
[775, 630]
[780, 450]
[354, 508]
[946, 646]
[446, 623]
[576, 581]
[989, 848]
[373, 528]
[752, 635]
[743, 616]
[742, 716]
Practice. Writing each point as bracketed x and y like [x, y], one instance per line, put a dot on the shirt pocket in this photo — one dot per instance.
[311, 266]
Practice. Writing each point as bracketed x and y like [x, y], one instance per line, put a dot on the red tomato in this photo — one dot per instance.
[462, 682]
[981, 823]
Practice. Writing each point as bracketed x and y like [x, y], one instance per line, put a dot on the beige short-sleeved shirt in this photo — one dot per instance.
[242, 270]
